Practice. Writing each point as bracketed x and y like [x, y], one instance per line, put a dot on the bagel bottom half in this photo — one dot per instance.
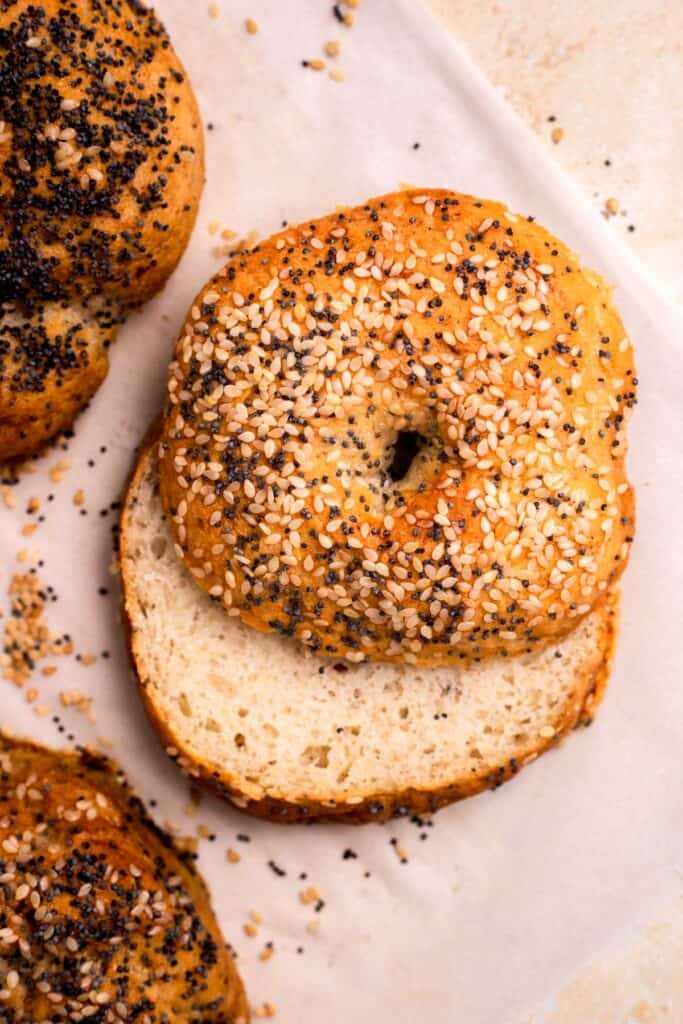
[291, 738]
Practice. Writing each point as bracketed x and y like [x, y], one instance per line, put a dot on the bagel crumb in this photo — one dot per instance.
[233, 856]
[310, 895]
[8, 497]
[251, 26]
[337, 75]
[333, 48]
[26, 636]
[264, 1010]
[557, 135]
[57, 472]
[79, 701]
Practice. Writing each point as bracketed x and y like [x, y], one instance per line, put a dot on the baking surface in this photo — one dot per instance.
[509, 905]
[604, 80]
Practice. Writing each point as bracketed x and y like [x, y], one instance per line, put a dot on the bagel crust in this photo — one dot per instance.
[101, 919]
[101, 170]
[397, 433]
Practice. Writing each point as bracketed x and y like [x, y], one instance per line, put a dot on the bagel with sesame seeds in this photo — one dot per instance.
[370, 558]
[101, 171]
[397, 433]
[101, 918]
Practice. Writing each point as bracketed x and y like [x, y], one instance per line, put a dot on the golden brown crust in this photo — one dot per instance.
[420, 313]
[97, 909]
[28, 417]
[359, 808]
[101, 170]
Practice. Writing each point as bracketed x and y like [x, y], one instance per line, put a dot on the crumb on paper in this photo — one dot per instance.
[26, 636]
[345, 17]
[310, 895]
[8, 497]
[232, 856]
[214, 10]
[316, 64]
[264, 1010]
[612, 205]
[401, 853]
[557, 135]
[337, 75]
[79, 701]
[251, 26]
[238, 245]
[57, 472]
[332, 47]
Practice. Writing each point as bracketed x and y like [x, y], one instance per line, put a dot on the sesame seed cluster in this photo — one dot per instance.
[101, 167]
[100, 920]
[398, 433]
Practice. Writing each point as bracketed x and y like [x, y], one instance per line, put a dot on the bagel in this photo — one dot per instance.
[397, 433]
[100, 918]
[289, 736]
[101, 170]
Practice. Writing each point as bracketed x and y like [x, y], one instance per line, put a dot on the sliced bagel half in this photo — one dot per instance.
[291, 737]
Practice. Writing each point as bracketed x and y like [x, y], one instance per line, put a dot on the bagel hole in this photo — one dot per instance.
[407, 445]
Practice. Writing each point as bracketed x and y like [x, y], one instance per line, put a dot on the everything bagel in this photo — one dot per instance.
[398, 433]
[101, 170]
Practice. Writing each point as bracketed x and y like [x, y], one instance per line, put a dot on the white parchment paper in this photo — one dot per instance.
[511, 894]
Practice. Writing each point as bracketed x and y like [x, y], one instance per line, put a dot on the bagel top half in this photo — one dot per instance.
[101, 919]
[397, 432]
[101, 170]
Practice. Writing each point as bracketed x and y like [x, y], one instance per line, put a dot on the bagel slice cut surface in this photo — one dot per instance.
[292, 737]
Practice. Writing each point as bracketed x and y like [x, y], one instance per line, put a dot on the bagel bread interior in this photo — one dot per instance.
[293, 737]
